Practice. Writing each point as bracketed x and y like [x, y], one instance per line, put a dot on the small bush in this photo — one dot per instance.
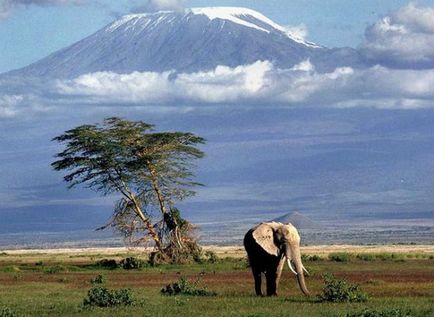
[184, 287]
[384, 313]
[386, 256]
[340, 257]
[11, 269]
[103, 297]
[3, 254]
[366, 256]
[210, 257]
[107, 264]
[312, 258]
[55, 269]
[7, 312]
[132, 263]
[339, 291]
[99, 279]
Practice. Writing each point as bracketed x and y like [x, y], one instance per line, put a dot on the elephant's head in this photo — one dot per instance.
[283, 240]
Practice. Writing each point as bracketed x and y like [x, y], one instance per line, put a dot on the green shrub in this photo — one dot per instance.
[384, 313]
[315, 258]
[55, 269]
[210, 257]
[366, 256]
[339, 290]
[107, 264]
[386, 256]
[312, 258]
[132, 263]
[103, 297]
[11, 269]
[340, 257]
[184, 287]
[7, 312]
[99, 279]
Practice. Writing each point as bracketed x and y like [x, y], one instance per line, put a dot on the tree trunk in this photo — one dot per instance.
[147, 223]
[154, 180]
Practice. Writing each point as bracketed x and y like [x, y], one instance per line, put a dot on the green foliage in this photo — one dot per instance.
[210, 257]
[7, 312]
[149, 170]
[11, 268]
[311, 258]
[339, 291]
[103, 297]
[99, 279]
[383, 256]
[55, 269]
[107, 264]
[366, 256]
[184, 287]
[340, 257]
[131, 263]
[383, 313]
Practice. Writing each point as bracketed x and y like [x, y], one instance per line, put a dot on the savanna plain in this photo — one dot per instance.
[398, 280]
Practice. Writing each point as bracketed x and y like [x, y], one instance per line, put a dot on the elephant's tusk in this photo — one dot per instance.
[290, 267]
[304, 269]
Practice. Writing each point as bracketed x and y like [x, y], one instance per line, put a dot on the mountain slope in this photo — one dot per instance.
[298, 220]
[194, 40]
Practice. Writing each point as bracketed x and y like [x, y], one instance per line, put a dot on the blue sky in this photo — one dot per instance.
[31, 32]
[345, 143]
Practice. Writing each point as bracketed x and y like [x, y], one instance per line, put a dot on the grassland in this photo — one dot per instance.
[55, 284]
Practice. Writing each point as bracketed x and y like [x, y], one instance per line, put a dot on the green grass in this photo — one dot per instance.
[57, 286]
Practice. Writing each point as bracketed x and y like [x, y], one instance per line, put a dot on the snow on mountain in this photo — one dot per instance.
[197, 39]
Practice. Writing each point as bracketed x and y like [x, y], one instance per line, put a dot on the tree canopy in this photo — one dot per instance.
[150, 170]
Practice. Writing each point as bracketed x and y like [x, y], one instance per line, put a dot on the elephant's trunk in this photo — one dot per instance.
[295, 258]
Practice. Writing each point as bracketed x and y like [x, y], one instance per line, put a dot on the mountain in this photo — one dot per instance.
[298, 220]
[197, 39]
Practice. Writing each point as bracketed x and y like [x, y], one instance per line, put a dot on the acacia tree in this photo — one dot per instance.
[150, 170]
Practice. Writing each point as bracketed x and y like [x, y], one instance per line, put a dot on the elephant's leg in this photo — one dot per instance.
[258, 281]
[271, 277]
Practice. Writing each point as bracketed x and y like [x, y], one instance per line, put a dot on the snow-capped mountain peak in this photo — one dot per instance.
[197, 39]
[238, 15]
[249, 18]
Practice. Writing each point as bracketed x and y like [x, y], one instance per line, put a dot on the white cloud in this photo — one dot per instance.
[403, 39]
[262, 83]
[149, 87]
[7, 6]
[158, 5]
[297, 31]
[8, 105]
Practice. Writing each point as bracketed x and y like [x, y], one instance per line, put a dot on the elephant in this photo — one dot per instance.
[269, 245]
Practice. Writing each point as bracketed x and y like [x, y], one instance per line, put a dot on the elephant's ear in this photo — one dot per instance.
[263, 235]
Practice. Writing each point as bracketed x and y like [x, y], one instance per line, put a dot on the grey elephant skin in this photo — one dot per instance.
[268, 246]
